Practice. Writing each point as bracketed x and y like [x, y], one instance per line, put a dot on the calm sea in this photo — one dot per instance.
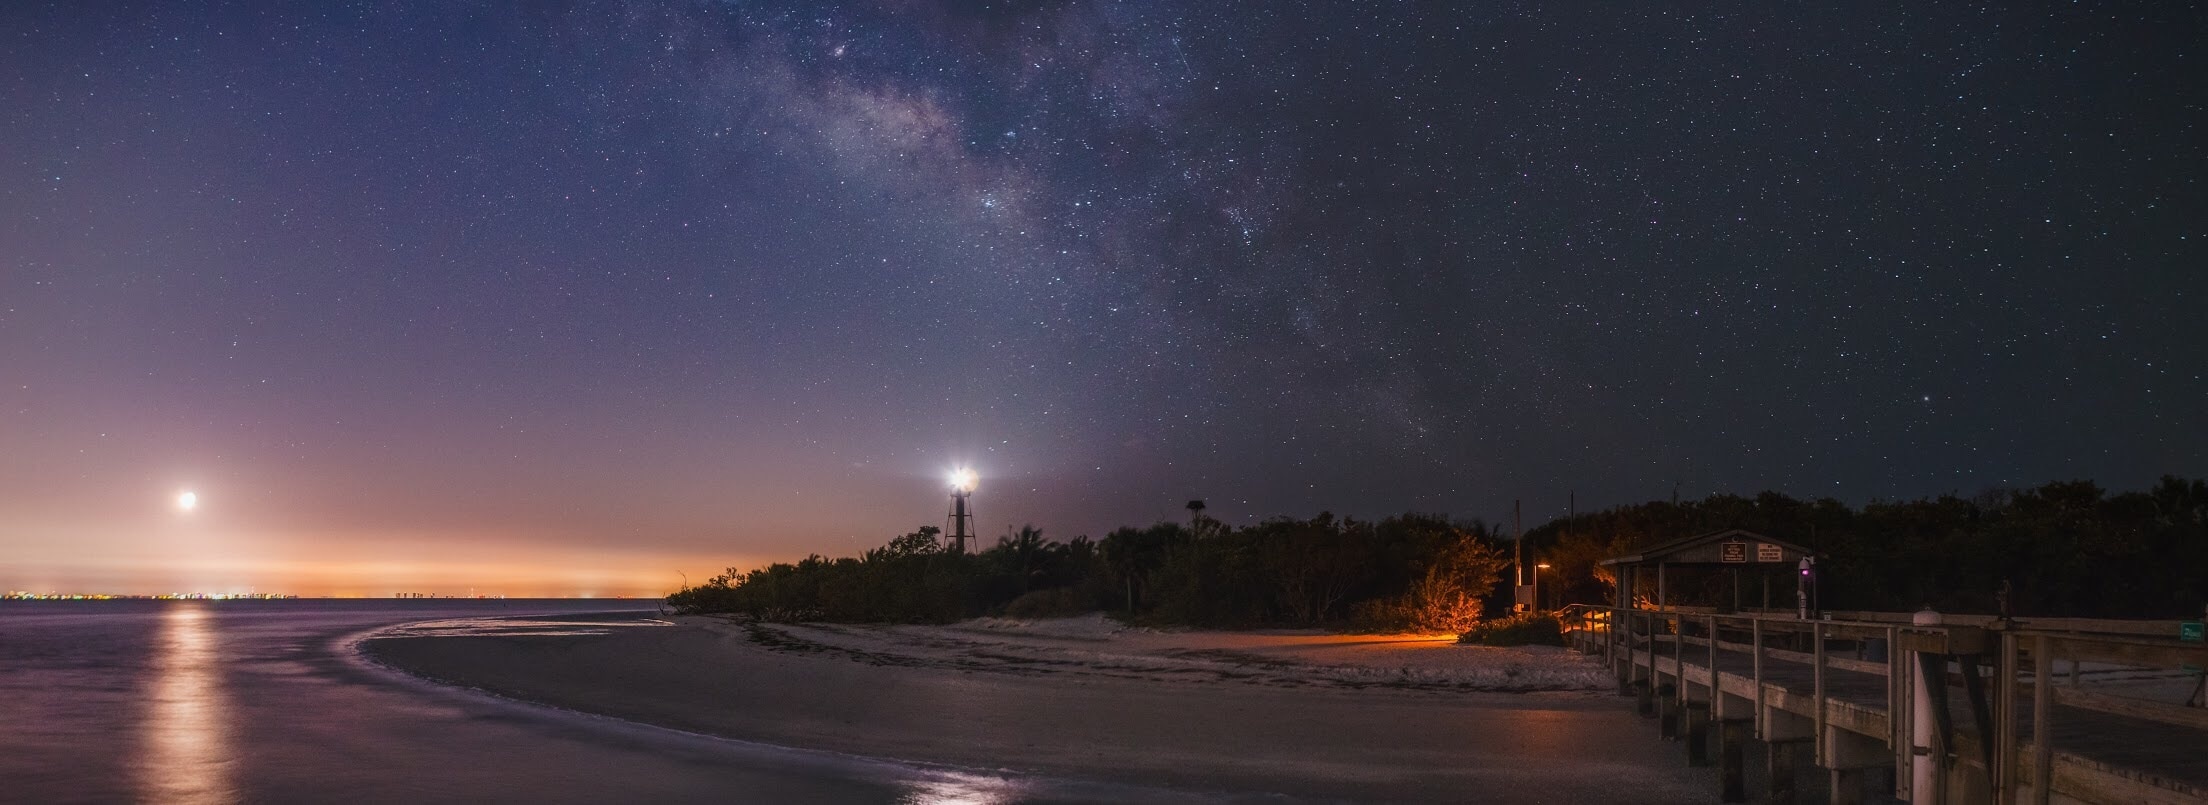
[265, 701]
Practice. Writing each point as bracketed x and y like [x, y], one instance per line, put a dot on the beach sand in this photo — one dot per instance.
[1305, 715]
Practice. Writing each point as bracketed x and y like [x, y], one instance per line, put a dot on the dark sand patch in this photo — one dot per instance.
[1193, 728]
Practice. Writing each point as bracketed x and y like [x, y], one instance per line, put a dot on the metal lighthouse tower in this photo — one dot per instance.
[962, 518]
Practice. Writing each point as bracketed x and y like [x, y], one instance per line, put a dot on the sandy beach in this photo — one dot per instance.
[1295, 714]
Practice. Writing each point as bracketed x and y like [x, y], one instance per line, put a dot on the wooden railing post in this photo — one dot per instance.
[1610, 637]
[2004, 721]
[1817, 656]
[2043, 706]
[1897, 712]
[1755, 637]
[1649, 619]
[1715, 693]
[1679, 656]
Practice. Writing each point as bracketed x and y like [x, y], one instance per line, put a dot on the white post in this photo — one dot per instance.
[1801, 589]
[1923, 724]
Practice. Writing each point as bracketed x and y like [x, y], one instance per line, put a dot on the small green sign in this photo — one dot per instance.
[2191, 631]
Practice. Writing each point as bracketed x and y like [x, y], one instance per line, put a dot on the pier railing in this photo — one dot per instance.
[1958, 709]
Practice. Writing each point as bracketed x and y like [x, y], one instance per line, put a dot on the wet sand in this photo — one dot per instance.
[1285, 714]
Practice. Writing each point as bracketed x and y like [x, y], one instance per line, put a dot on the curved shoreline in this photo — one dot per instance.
[712, 679]
[957, 782]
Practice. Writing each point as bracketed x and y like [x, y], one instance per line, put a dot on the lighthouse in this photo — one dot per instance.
[962, 516]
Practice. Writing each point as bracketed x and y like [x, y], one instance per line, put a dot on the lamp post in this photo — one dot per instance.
[1803, 583]
[1537, 568]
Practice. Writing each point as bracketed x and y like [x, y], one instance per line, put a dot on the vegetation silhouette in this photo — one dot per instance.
[1411, 572]
[2062, 549]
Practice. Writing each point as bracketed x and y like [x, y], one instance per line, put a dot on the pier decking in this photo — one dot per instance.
[2111, 697]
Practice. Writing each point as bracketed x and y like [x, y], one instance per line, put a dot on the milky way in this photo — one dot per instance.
[718, 279]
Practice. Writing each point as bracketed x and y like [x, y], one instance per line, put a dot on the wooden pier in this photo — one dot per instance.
[2018, 711]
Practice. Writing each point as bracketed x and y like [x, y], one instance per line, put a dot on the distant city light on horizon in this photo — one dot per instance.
[187, 500]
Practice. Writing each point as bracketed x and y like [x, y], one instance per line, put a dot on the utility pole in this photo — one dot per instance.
[1517, 545]
[1517, 556]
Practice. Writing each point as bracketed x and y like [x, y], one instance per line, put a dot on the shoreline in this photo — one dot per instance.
[951, 783]
[1197, 712]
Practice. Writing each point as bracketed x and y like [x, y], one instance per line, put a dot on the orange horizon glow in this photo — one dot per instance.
[341, 579]
[351, 566]
[588, 575]
[390, 532]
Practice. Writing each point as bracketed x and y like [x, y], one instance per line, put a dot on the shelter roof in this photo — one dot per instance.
[1711, 549]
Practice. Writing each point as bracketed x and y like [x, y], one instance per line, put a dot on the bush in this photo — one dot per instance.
[1525, 629]
[1057, 602]
[1416, 614]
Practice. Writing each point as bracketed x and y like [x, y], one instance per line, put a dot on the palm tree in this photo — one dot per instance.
[1195, 515]
[1132, 554]
[1025, 544]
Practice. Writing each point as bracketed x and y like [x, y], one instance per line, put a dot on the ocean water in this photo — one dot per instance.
[267, 701]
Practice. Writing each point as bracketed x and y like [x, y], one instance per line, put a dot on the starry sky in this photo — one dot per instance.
[545, 298]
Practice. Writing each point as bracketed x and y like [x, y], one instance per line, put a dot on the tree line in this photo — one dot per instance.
[1411, 572]
[2065, 549]
[2062, 549]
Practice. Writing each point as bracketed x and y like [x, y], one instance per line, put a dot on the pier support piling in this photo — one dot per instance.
[1780, 764]
[1847, 787]
[1667, 712]
[1698, 734]
[1851, 757]
[1732, 758]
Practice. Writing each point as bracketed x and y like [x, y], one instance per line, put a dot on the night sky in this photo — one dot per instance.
[567, 300]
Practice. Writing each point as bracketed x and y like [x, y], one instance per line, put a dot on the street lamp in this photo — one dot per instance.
[1804, 585]
[1537, 568]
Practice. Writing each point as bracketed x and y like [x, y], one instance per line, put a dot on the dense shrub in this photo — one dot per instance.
[1057, 602]
[1524, 629]
[1414, 572]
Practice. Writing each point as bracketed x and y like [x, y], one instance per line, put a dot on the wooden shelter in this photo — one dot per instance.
[1732, 550]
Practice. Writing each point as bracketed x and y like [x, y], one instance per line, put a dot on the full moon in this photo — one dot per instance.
[187, 501]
